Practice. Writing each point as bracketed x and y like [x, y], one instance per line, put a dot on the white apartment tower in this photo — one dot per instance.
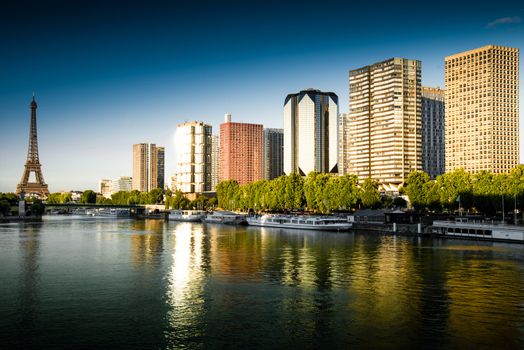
[384, 125]
[310, 132]
[193, 144]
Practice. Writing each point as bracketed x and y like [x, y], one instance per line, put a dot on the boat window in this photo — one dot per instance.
[487, 232]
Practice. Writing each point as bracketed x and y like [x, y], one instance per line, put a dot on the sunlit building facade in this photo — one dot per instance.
[482, 109]
[215, 161]
[241, 148]
[145, 167]
[343, 143]
[193, 145]
[384, 126]
[123, 183]
[433, 145]
[311, 132]
[105, 188]
[273, 153]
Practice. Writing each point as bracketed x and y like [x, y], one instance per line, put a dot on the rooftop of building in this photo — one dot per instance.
[311, 92]
[486, 47]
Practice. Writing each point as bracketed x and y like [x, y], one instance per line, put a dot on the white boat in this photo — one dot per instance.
[476, 229]
[324, 223]
[225, 217]
[112, 213]
[187, 215]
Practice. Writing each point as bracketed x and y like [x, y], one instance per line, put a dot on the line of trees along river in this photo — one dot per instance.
[483, 192]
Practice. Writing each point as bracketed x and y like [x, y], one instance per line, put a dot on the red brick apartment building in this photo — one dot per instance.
[241, 148]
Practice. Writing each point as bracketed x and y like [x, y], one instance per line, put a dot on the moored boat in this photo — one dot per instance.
[324, 223]
[225, 217]
[480, 230]
[187, 215]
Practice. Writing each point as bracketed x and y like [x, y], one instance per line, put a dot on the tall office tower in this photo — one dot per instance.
[105, 187]
[273, 151]
[310, 132]
[433, 146]
[215, 161]
[193, 152]
[482, 109]
[145, 167]
[240, 151]
[343, 143]
[385, 141]
[161, 166]
[123, 183]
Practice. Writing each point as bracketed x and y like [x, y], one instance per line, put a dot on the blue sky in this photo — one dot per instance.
[108, 74]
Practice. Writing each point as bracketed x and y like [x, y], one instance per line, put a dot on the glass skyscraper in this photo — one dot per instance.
[311, 132]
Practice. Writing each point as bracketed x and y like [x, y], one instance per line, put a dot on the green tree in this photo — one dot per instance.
[416, 189]
[87, 197]
[370, 196]
[66, 197]
[37, 208]
[54, 198]
[228, 193]
[5, 207]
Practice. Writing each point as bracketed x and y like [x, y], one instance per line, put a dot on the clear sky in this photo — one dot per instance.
[108, 74]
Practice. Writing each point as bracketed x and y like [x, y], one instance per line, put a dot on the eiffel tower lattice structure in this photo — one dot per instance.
[32, 165]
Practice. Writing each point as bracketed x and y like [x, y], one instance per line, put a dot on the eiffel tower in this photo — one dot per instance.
[33, 163]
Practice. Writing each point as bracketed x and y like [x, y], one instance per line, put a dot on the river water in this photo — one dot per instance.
[103, 283]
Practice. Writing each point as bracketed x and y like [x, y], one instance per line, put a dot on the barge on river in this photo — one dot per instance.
[324, 223]
[480, 230]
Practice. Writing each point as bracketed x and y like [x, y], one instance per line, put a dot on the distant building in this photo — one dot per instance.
[123, 183]
[105, 187]
[172, 183]
[145, 167]
[310, 132]
[343, 143]
[433, 145]
[193, 152]
[273, 161]
[482, 109]
[161, 166]
[240, 151]
[215, 161]
[385, 122]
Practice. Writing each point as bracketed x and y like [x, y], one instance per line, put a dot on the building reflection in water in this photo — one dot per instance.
[483, 289]
[147, 242]
[27, 301]
[185, 290]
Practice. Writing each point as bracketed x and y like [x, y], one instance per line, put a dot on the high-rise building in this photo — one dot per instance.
[433, 146]
[145, 167]
[193, 153]
[240, 151]
[123, 183]
[215, 161]
[343, 143]
[273, 162]
[310, 132]
[482, 109]
[385, 141]
[105, 188]
[161, 166]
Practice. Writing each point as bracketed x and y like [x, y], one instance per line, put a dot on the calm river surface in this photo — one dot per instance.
[103, 283]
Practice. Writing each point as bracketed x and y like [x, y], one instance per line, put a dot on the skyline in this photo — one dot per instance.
[109, 83]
